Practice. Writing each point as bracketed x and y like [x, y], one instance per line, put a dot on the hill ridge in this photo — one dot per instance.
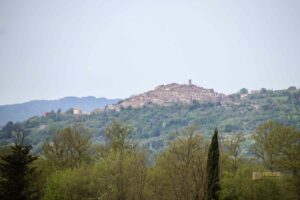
[23, 111]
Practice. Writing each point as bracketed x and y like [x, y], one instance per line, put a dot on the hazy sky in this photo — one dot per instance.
[105, 48]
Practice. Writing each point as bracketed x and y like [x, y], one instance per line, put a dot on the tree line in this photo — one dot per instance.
[192, 167]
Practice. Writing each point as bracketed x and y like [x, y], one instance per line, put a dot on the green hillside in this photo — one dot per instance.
[154, 126]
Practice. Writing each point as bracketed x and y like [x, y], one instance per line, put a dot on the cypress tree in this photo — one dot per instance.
[213, 186]
[15, 173]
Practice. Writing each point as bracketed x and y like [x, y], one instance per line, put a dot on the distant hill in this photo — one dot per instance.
[22, 111]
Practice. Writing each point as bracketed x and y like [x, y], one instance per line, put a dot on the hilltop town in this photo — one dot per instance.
[171, 93]
[164, 95]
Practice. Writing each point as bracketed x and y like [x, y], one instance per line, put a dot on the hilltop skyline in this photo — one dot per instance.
[153, 88]
[116, 49]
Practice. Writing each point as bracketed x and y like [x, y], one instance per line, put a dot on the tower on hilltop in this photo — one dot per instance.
[190, 81]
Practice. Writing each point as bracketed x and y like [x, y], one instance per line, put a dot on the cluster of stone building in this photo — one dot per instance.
[78, 111]
[171, 93]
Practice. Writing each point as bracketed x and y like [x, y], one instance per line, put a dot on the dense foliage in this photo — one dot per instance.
[72, 168]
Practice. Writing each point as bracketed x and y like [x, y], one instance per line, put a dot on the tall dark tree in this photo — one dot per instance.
[15, 172]
[213, 185]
